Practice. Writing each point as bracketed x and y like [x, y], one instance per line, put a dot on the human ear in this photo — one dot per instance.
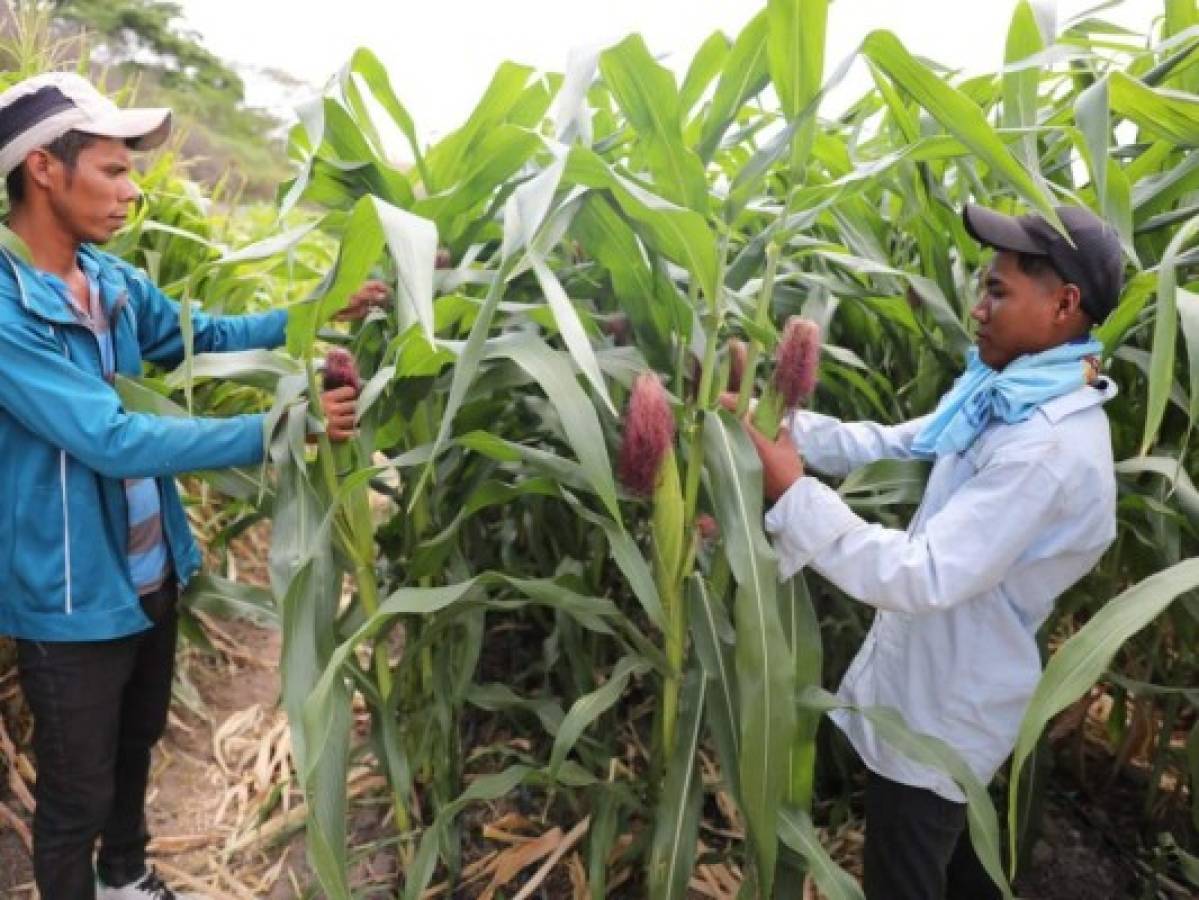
[1069, 301]
[37, 167]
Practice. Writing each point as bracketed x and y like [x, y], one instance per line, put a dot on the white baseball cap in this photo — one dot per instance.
[41, 109]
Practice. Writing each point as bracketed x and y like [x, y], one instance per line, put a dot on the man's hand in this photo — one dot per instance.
[371, 294]
[782, 465]
[340, 405]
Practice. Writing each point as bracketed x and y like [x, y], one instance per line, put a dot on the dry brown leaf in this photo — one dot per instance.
[512, 862]
[14, 821]
[564, 846]
[172, 844]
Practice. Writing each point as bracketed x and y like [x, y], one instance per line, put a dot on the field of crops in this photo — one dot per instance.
[517, 623]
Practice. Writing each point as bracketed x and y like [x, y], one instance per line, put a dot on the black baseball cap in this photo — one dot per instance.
[1095, 263]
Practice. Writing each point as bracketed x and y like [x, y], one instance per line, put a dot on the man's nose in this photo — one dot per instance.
[981, 311]
[130, 191]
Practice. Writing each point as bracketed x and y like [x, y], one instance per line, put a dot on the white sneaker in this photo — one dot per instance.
[148, 887]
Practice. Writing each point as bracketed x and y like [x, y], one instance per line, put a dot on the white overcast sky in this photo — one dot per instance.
[441, 53]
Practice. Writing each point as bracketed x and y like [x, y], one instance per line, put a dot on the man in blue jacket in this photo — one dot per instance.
[94, 543]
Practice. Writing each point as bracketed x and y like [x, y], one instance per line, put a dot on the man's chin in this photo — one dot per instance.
[990, 358]
[104, 235]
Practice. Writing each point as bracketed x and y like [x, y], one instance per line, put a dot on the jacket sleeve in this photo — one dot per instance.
[81, 414]
[160, 337]
[837, 448]
[965, 549]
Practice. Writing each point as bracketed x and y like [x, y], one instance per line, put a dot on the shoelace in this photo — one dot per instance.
[153, 885]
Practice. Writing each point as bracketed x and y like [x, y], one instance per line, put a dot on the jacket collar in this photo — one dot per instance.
[1083, 398]
[36, 296]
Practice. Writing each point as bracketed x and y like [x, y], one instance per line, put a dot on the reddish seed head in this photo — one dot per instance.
[648, 435]
[443, 258]
[341, 370]
[797, 361]
[738, 357]
[618, 327]
[708, 528]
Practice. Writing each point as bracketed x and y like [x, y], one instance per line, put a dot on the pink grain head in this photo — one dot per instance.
[648, 435]
[341, 370]
[738, 357]
[797, 361]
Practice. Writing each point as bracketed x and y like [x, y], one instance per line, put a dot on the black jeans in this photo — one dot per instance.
[918, 847]
[98, 708]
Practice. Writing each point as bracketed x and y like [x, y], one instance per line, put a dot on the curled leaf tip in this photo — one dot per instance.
[648, 435]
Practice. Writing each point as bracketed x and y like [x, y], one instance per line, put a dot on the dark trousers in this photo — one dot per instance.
[98, 708]
[918, 847]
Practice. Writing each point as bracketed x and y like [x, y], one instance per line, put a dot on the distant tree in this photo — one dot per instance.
[147, 40]
[146, 34]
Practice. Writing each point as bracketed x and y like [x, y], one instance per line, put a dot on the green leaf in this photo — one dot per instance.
[230, 600]
[259, 367]
[447, 161]
[1182, 488]
[612, 242]
[802, 631]
[484, 788]
[795, 53]
[1081, 660]
[798, 833]
[681, 235]
[500, 154]
[765, 672]
[714, 639]
[647, 93]
[1187, 303]
[576, 413]
[676, 822]
[744, 75]
[958, 114]
[570, 326]
[372, 224]
[526, 210]
[1022, 82]
[706, 65]
[625, 553]
[1165, 336]
[1164, 114]
[366, 65]
[590, 707]
[303, 580]
[931, 751]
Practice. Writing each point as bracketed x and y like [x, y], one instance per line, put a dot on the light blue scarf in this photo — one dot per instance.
[982, 395]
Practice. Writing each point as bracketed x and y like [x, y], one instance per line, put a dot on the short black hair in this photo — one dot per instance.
[1034, 265]
[65, 148]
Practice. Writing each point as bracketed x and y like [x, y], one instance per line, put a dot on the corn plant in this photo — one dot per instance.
[614, 238]
[612, 221]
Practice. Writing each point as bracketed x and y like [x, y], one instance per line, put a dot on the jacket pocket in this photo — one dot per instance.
[40, 547]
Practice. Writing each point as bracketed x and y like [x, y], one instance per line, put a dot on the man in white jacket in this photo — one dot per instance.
[1020, 504]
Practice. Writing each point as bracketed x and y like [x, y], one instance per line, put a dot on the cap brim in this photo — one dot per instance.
[144, 129]
[999, 231]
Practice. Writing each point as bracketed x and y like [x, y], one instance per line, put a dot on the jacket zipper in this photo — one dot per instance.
[66, 525]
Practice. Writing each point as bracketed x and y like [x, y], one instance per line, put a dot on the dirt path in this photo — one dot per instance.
[215, 776]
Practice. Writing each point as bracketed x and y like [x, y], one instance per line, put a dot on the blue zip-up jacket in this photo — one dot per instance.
[66, 444]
